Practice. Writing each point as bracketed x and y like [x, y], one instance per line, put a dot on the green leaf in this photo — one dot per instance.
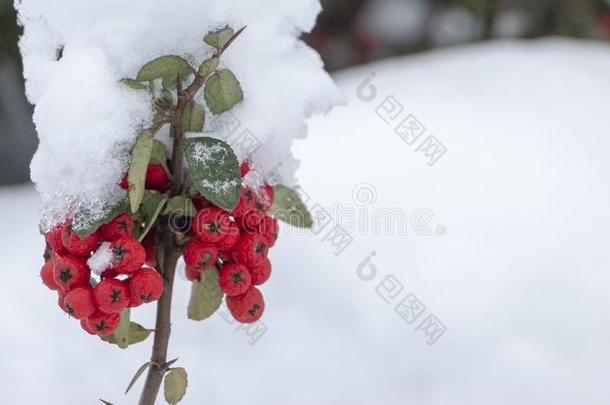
[138, 374]
[158, 154]
[214, 169]
[86, 222]
[167, 97]
[180, 205]
[121, 334]
[219, 38]
[135, 333]
[193, 117]
[166, 68]
[208, 66]
[140, 157]
[222, 91]
[152, 205]
[134, 84]
[206, 296]
[288, 207]
[174, 386]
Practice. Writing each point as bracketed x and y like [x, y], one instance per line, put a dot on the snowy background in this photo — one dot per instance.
[513, 262]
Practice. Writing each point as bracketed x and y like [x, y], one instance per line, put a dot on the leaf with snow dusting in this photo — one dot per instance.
[214, 169]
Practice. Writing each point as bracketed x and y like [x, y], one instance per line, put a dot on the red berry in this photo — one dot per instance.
[121, 226]
[192, 274]
[269, 229]
[269, 195]
[79, 302]
[262, 199]
[226, 256]
[246, 203]
[201, 202]
[234, 279]
[70, 272]
[250, 250]
[251, 219]
[111, 295]
[60, 301]
[157, 179]
[124, 184]
[247, 307]
[260, 274]
[128, 255]
[145, 286]
[86, 327]
[199, 256]
[228, 241]
[244, 168]
[103, 324]
[211, 224]
[47, 274]
[150, 247]
[109, 273]
[53, 238]
[77, 246]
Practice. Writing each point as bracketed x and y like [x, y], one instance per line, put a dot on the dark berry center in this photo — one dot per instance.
[213, 227]
[115, 296]
[65, 275]
[237, 277]
[252, 311]
[118, 252]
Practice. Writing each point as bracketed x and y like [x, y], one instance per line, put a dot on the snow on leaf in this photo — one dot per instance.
[87, 218]
[214, 169]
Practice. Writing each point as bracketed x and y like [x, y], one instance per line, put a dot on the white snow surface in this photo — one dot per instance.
[520, 279]
[87, 121]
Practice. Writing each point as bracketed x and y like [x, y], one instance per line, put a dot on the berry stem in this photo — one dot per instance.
[168, 258]
[163, 323]
[171, 252]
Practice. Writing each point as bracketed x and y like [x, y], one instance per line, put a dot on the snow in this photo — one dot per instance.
[101, 260]
[519, 277]
[76, 52]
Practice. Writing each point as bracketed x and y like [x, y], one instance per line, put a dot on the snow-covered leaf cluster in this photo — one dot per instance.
[76, 54]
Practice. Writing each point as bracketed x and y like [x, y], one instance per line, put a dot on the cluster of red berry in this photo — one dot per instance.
[237, 243]
[98, 305]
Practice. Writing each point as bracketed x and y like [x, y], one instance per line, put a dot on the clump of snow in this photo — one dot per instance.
[101, 260]
[76, 52]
